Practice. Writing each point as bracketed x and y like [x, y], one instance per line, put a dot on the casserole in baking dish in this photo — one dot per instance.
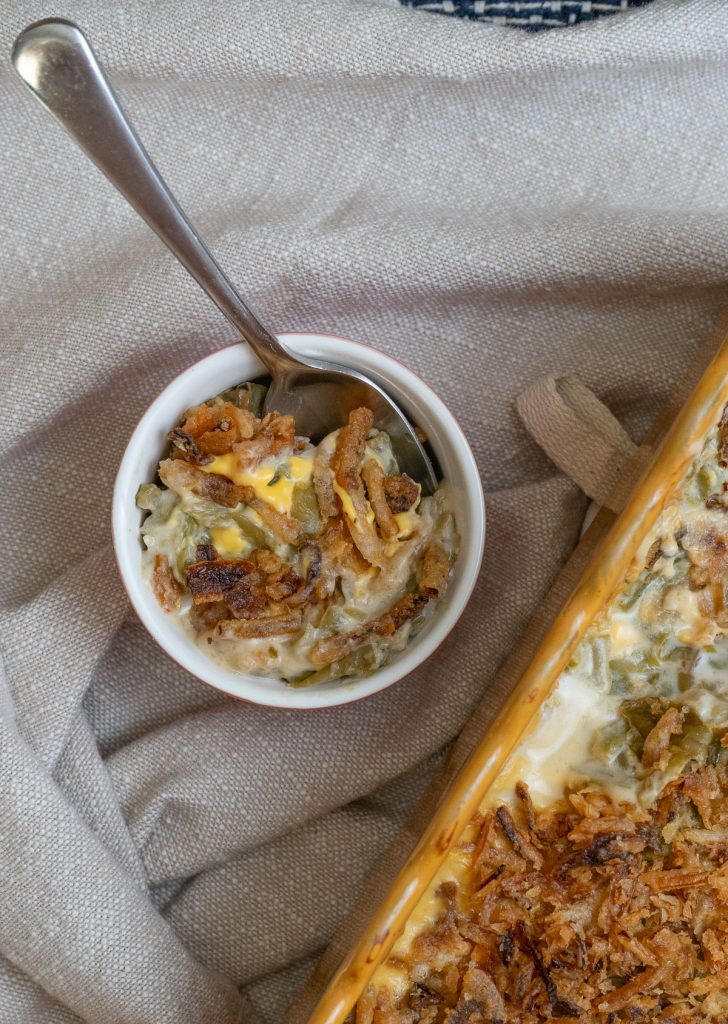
[593, 881]
[607, 763]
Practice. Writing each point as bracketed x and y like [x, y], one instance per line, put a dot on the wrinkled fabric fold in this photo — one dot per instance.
[491, 208]
[579, 434]
[61, 931]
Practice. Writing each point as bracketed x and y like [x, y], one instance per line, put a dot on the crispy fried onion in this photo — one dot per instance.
[433, 580]
[261, 590]
[184, 478]
[346, 464]
[274, 435]
[723, 438]
[274, 625]
[401, 492]
[212, 429]
[656, 751]
[219, 427]
[579, 911]
[706, 544]
[282, 525]
[210, 580]
[338, 555]
[373, 476]
[323, 481]
[167, 590]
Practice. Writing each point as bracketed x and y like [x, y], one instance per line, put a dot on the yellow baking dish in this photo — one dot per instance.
[598, 583]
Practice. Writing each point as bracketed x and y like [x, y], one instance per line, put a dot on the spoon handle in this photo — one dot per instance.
[56, 62]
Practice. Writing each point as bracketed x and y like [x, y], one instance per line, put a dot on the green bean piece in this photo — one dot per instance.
[305, 508]
[416, 624]
[446, 532]
[358, 614]
[717, 754]
[281, 471]
[207, 513]
[256, 536]
[637, 666]
[255, 397]
[158, 500]
[618, 685]
[626, 672]
[234, 395]
[634, 590]
[610, 741]
[331, 619]
[692, 744]
[640, 721]
[638, 715]
[600, 662]
[679, 653]
[684, 681]
[147, 496]
[624, 666]
[381, 445]
[190, 535]
[248, 396]
[360, 663]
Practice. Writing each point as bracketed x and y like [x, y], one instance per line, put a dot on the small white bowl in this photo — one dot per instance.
[223, 369]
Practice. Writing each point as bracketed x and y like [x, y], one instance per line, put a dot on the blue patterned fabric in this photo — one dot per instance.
[530, 14]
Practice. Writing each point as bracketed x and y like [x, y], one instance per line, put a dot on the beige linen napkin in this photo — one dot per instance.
[489, 207]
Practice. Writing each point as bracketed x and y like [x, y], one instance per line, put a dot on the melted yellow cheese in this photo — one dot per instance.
[455, 868]
[407, 522]
[348, 505]
[294, 470]
[228, 540]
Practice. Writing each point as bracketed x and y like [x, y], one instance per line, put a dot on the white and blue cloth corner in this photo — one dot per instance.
[530, 14]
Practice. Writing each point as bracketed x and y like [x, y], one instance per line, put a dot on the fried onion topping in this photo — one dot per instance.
[540, 929]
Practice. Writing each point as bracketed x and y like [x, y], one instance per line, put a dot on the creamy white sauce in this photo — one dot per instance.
[558, 752]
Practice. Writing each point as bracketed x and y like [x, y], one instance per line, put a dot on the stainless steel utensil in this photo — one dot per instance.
[56, 62]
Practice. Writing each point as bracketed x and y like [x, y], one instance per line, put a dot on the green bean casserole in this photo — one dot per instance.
[592, 884]
[298, 561]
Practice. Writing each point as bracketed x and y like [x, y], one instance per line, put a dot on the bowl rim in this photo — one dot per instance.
[468, 568]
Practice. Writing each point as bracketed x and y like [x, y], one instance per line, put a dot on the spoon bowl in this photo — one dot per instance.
[320, 397]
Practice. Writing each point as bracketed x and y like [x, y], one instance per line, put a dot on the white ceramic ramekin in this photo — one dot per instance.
[223, 369]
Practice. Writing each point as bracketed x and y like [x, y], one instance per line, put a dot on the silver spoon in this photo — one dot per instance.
[56, 62]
